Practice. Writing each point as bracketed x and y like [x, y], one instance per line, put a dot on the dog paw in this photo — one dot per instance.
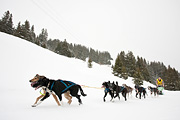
[34, 105]
[80, 103]
[69, 102]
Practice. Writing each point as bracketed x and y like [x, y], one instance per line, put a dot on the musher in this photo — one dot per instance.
[160, 85]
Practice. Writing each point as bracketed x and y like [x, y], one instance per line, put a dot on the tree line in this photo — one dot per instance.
[127, 65]
[26, 31]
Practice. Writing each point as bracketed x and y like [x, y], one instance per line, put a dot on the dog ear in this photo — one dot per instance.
[37, 75]
[41, 77]
[117, 83]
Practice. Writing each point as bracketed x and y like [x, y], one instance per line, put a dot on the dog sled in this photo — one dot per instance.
[160, 89]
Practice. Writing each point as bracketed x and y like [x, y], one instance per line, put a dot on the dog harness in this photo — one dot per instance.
[67, 87]
[122, 88]
[106, 90]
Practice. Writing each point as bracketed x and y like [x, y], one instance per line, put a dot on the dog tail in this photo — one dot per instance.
[81, 90]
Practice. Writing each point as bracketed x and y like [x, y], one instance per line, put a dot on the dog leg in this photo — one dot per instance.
[136, 94]
[60, 98]
[112, 95]
[44, 92]
[37, 104]
[68, 97]
[56, 99]
[79, 99]
[69, 101]
[124, 95]
[118, 96]
[105, 96]
[151, 94]
[144, 94]
[139, 95]
[38, 99]
[44, 97]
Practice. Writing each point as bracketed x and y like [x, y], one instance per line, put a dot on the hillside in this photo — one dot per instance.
[21, 61]
[126, 65]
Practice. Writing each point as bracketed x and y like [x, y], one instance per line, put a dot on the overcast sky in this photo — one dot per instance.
[148, 28]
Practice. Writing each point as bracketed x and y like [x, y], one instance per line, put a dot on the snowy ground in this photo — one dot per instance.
[21, 61]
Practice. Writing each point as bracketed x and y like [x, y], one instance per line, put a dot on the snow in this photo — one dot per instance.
[21, 61]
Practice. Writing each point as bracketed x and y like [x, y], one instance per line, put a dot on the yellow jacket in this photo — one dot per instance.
[159, 82]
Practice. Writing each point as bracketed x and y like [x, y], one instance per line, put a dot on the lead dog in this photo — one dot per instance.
[66, 95]
[57, 87]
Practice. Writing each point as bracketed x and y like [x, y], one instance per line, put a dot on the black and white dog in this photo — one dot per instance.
[56, 86]
[140, 90]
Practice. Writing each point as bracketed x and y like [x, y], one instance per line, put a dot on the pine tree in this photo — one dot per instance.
[18, 30]
[156, 69]
[124, 74]
[138, 78]
[145, 71]
[80, 52]
[142, 66]
[104, 58]
[116, 68]
[89, 63]
[94, 55]
[6, 24]
[52, 44]
[43, 37]
[122, 58]
[63, 49]
[171, 79]
[122, 64]
[119, 68]
[32, 34]
[25, 30]
[130, 64]
[10, 28]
